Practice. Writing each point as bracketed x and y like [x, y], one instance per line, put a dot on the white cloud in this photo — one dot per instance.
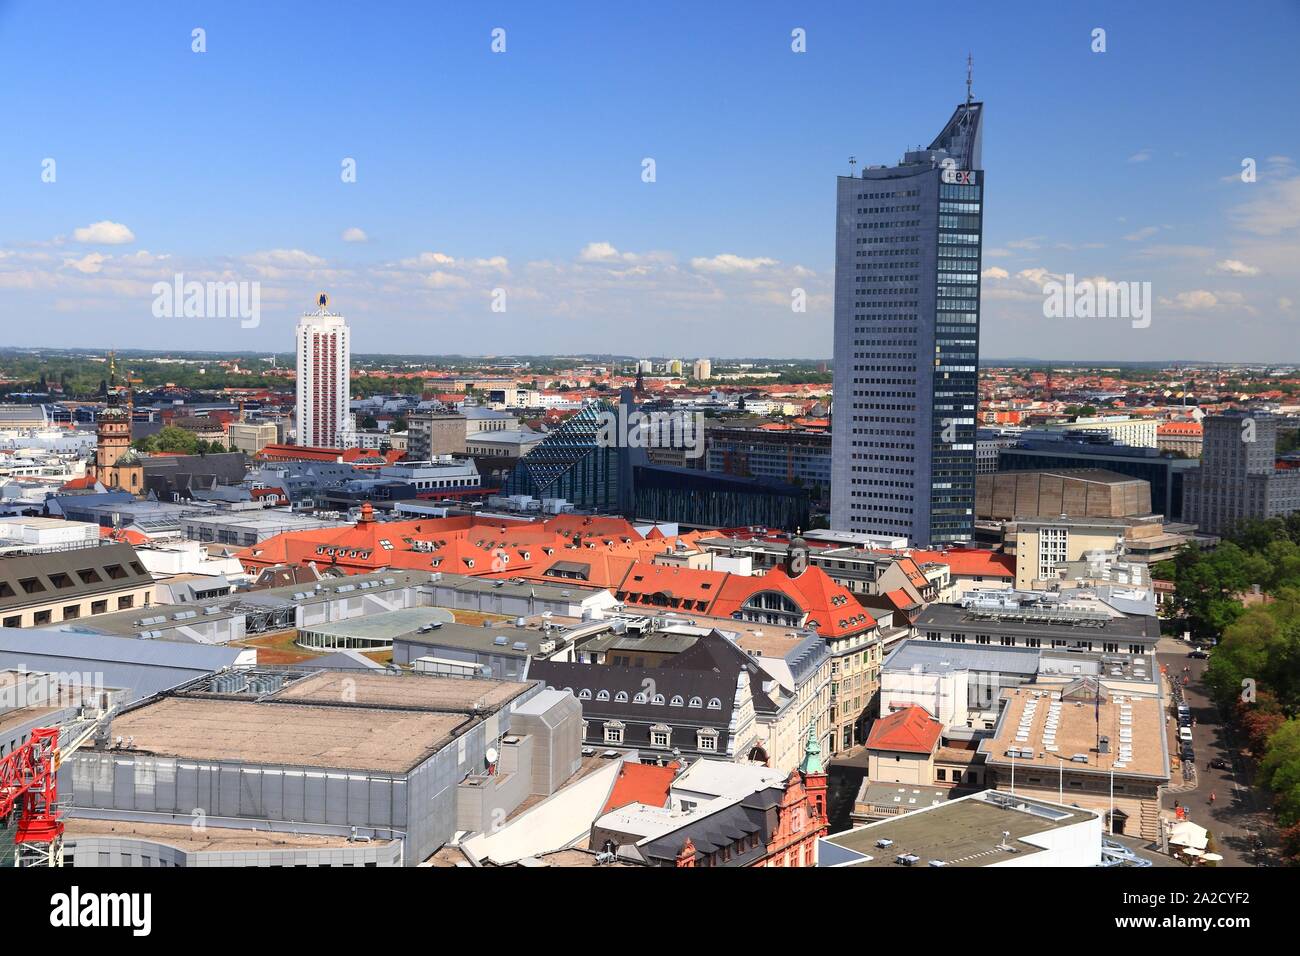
[1275, 210]
[445, 280]
[89, 264]
[603, 252]
[1197, 300]
[353, 234]
[1146, 232]
[995, 272]
[104, 233]
[1233, 267]
[726, 262]
[1141, 156]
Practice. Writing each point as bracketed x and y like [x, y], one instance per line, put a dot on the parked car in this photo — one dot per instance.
[1199, 654]
[1219, 763]
[1185, 734]
[1187, 753]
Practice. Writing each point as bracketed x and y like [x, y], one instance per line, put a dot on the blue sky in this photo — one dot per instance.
[522, 170]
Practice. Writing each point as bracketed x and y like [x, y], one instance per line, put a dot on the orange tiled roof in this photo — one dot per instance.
[641, 783]
[977, 562]
[910, 730]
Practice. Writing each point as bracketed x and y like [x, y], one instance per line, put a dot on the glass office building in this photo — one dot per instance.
[907, 305]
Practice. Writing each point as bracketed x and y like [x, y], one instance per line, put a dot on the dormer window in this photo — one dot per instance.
[602, 695]
[715, 703]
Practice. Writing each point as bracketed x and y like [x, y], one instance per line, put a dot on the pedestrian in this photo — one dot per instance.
[1213, 795]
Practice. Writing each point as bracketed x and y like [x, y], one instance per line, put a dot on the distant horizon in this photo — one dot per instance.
[996, 362]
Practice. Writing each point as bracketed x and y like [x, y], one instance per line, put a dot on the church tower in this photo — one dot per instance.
[116, 465]
[814, 774]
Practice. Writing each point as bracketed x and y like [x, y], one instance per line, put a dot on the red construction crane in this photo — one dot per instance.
[29, 784]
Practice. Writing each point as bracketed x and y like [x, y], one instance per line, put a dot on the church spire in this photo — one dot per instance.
[812, 753]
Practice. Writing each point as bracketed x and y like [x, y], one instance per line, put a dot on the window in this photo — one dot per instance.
[602, 695]
[60, 579]
[676, 701]
[41, 617]
[614, 732]
[660, 737]
[125, 601]
[584, 694]
[115, 571]
[707, 740]
[715, 704]
[15, 621]
[72, 612]
[657, 700]
[697, 701]
[620, 697]
[98, 607]
[31, 585]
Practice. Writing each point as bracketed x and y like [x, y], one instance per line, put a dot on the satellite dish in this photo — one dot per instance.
[491, 755]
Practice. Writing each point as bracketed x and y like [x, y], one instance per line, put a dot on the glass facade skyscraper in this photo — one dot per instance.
[908, 247]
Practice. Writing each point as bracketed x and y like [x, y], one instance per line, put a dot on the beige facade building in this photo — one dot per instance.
[47, 587]
[430, 434]
[252, 437]
[1076, 493]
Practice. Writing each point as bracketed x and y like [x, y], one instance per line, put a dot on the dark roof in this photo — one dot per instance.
[48, 577]
[754, 814]
[688, 683]
[164, 474]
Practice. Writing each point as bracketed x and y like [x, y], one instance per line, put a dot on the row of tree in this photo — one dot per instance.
[171, 438]
[1254, 673]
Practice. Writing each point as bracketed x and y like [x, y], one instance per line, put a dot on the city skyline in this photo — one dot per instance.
[461, 194]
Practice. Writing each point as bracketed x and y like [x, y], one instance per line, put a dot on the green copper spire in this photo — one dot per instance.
[812, 753]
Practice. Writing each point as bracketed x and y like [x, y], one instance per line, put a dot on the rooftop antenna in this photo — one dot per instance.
[970, 67]
[853, 162]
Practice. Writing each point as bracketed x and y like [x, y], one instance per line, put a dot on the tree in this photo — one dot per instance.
[170, 439]
[1280, 771]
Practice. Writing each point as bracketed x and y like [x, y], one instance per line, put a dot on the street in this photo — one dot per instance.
[1239, 812]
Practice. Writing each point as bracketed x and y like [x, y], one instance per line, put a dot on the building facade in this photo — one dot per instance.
[907, 304]
[431, 433]
[324, 356]
[1239, 479]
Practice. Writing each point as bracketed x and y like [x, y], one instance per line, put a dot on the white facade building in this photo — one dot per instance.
[324, 356]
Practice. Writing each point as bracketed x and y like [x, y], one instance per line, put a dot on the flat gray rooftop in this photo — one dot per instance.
[352, 738]
[964, 832]
[944, 656]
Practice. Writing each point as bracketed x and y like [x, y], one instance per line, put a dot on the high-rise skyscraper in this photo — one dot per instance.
[324, 369]
[907, 309]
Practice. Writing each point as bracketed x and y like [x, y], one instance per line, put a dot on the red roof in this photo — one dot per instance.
[910, 730]
[129, 535]
[977, 562]
[900, 599]
[641, 783]
[78, 484]
[1180, 428]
